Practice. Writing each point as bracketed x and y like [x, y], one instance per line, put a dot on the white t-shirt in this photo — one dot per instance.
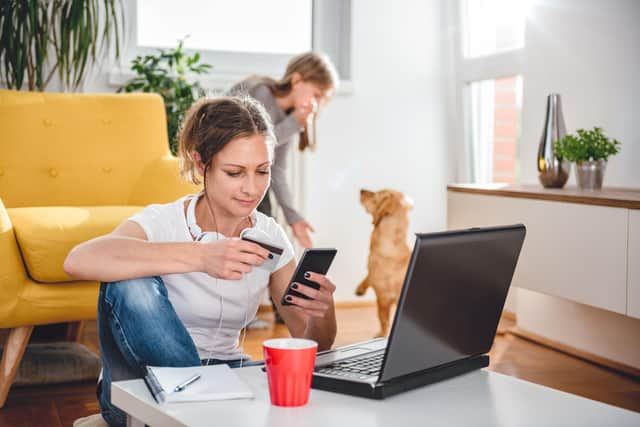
[213, 310]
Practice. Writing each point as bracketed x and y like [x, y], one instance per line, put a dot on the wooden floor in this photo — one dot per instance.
[60, 405]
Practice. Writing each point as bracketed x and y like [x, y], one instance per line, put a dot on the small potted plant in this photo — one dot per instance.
[590, 150]
[166, 74]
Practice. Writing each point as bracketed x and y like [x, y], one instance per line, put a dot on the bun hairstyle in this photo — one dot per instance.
[211, 123]
[315, 68]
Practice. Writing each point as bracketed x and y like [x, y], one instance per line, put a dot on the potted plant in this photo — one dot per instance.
[166, 74]
[42, 38]
[590, 150]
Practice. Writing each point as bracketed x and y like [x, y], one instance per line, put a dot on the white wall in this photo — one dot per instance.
[390, 133]
[589, 52]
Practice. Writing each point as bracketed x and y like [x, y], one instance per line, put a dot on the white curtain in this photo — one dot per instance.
[482, 103]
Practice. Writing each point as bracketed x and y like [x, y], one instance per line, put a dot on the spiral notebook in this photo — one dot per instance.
[217, 382]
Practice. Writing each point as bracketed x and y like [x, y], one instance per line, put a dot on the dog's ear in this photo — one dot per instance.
[384, 207]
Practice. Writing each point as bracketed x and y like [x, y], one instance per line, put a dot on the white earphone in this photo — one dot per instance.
[211, 236]
[194, 228]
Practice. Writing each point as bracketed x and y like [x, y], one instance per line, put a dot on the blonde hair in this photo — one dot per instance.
[313, 67]
[211, 123]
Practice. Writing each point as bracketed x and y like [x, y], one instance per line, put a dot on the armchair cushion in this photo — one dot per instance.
[45, 235]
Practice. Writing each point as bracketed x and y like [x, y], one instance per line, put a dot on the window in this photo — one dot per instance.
[492, 26]
[241, 37]
[284, 26]
[495, 129]
[490, 59]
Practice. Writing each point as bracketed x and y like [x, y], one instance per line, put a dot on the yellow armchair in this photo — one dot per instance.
[72, 167]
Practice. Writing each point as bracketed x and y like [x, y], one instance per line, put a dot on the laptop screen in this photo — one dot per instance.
[454, 291]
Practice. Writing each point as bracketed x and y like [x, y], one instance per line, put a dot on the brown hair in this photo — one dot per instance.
[211, 123]
[313, 67]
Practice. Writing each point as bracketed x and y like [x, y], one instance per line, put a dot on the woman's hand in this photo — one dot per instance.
[312, 319]
[229, 259]
[321, 300]
[301, 232]
[302, 112]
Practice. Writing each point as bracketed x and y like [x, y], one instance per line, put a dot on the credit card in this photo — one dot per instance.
[269, 264]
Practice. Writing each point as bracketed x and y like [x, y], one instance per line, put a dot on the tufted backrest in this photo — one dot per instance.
[77, 149]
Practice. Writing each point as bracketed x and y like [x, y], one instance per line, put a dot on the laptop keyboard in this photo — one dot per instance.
[361, 367]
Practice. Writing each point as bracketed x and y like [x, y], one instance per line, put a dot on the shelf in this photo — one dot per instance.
[628, 198]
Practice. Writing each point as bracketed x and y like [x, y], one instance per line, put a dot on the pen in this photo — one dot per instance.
[188, 382]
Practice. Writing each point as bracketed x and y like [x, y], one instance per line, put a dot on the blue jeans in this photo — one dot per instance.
[138, 326]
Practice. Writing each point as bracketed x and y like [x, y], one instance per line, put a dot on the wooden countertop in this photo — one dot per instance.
[614, 197]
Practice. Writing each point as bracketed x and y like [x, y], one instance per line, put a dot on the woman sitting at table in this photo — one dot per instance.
[178, 283]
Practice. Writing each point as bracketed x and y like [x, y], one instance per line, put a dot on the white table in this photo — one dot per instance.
[478, 398]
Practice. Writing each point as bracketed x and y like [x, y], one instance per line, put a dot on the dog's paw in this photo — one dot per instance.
[361, 289]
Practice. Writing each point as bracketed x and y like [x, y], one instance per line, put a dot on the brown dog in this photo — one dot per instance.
[389, 252]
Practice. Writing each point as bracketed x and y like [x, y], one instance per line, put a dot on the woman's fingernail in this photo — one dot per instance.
[289, 298]
[307, 275]
[270, 256]
[294, 286]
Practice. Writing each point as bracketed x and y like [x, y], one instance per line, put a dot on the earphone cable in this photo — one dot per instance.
[243, 331]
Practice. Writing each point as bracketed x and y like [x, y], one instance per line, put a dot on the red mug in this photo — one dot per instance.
[289, 363]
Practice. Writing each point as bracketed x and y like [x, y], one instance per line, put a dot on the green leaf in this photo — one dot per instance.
[586, 145]
[38, 37]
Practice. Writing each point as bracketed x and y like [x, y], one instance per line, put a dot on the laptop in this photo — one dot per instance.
[446, 320]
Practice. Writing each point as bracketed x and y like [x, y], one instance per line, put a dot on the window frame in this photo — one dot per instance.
[469, 70]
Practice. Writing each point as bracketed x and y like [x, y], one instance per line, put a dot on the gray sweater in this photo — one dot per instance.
[285, 128]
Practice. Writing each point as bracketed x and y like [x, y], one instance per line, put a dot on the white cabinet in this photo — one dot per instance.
[573, 251]
[633, 295]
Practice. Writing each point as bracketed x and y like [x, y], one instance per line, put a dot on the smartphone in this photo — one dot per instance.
[314, 260]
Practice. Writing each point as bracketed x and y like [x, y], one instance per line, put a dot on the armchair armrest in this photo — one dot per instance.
[12, 273]
[160, 182]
